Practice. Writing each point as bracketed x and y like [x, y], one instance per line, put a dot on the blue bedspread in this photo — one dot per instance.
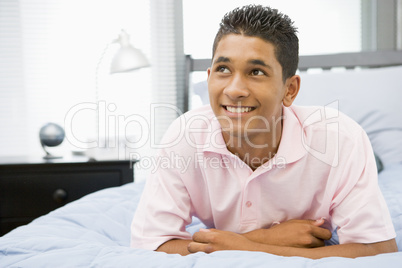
[95, 232]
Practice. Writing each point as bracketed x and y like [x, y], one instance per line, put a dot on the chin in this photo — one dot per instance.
[233, 131]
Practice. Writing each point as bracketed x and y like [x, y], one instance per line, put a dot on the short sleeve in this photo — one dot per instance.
[164, 209]
[358, 208]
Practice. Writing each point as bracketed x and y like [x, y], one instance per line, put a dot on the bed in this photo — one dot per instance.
[94, 231]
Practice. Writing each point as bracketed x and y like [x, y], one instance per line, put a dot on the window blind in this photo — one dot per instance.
[55, 55]
[49, 50]
[12, 105]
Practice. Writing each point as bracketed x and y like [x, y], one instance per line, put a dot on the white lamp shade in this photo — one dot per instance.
[128, 59]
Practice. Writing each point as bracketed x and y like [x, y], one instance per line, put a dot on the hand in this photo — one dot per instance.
[210, 240]
[293, 233]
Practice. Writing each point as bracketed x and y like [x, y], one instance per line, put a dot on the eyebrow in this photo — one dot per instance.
[221, 59]
[253, 62]
[260, 62]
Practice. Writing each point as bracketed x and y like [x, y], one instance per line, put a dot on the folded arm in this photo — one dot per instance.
[213, 240]
[303, 238]
[293, 233]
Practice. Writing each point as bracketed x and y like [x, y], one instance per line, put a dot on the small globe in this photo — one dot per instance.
[51, 135]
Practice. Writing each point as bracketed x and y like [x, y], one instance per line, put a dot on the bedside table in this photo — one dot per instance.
[32, 187]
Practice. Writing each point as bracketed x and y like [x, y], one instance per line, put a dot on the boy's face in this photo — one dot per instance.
[245, 85]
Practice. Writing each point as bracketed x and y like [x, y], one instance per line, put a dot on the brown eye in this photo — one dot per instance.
[257, 72]
[222, 69]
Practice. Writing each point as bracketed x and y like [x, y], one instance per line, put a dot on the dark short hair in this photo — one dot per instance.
[268, 24]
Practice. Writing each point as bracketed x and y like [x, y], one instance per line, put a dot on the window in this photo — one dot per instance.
[330, 26]
[324, 27]
[50, 51]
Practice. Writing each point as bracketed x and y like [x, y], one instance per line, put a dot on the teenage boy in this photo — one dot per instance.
[260, 173]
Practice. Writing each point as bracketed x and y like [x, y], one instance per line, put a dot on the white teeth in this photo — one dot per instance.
[238, 109]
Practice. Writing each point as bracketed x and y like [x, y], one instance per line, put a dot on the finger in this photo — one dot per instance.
[316, 242]
[321, 233]
[194, 247]
[202, 236]
[318, 222]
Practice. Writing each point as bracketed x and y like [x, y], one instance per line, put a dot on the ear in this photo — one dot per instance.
[208, 72]
[292, 89]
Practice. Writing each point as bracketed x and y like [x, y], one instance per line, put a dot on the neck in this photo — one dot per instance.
[255, 149]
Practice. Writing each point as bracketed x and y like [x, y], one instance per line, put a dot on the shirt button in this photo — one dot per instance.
[248, 204]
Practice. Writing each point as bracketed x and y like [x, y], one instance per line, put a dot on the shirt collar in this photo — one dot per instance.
[290, 148]
[215, 140]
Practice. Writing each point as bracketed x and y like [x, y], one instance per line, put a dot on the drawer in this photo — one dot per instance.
[30, 194]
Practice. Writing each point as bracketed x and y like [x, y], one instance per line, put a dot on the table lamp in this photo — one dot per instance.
[127, 58]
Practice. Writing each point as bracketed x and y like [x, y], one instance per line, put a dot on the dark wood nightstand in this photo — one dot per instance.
[32, 187]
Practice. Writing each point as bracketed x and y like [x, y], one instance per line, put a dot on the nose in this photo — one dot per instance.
[236, 88]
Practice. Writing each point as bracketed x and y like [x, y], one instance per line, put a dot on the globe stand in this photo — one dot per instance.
[48, 155]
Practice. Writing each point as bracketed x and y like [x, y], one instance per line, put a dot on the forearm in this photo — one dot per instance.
[344, 250]
[213, 240]
[293, 233]
[259, 236]
[175, 246]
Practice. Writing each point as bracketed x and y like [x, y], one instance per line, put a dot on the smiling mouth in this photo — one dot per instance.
[238, 109]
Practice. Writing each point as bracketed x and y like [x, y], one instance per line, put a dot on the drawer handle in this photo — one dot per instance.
[60, 195]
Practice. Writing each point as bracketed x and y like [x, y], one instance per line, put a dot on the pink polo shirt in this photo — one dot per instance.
[324, 167]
